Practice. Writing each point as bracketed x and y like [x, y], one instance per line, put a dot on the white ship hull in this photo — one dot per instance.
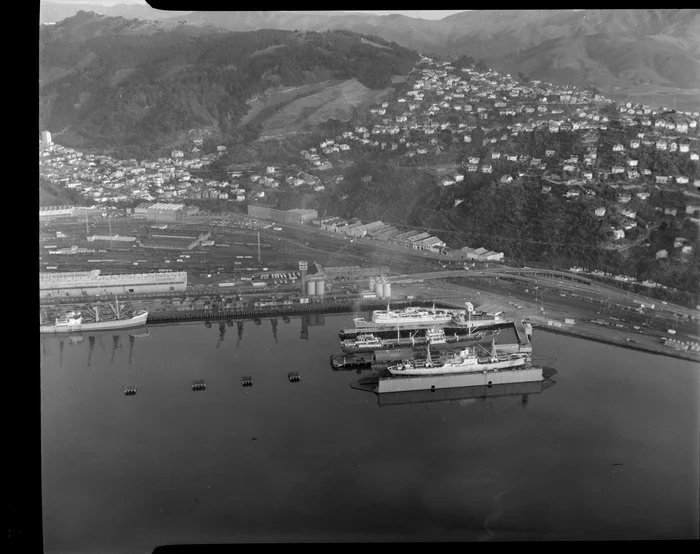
[415, 323]
[353, 346]
[473, 379]
[136, 321]
[402, 321]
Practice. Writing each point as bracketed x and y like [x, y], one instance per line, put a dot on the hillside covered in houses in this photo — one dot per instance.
[474, 157]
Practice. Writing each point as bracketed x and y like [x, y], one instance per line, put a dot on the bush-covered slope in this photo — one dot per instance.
[127, 82]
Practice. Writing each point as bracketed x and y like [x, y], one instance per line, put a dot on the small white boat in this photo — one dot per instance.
[436, 335]
[362, 343]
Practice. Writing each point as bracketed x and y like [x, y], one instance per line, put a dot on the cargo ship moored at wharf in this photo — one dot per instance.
[424, 318]
[77, 322]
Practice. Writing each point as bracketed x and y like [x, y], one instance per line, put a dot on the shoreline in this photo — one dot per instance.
[618, 341]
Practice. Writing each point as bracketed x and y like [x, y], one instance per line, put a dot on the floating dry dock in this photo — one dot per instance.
[524, 374]
[455, 393]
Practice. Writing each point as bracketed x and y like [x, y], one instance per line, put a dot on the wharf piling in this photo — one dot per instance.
[352, 361]
[272, 311]
[521, 333]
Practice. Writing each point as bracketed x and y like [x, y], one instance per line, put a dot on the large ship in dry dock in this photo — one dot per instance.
[470, 367]
[474, 359]
[92, 319]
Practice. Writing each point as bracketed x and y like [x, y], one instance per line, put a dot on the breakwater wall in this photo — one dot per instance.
[619, 341]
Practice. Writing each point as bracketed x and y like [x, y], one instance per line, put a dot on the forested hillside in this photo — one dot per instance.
[112, 81]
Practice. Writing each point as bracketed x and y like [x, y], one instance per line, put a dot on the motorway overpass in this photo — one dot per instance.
[528, 273]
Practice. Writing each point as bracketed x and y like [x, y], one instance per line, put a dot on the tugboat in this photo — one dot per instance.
[363, 343]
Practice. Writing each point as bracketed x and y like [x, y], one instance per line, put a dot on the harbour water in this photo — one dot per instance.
[607, 451]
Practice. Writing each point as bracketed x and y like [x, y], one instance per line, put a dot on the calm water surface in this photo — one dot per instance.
[610, 451]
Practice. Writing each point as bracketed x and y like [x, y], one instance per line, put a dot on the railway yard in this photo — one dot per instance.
[248, 264]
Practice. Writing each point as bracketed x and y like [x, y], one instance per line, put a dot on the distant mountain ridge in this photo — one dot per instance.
[619, 49]
[52, 12]
[605, 60]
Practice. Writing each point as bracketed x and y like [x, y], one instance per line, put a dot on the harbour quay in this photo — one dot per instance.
[272, 311]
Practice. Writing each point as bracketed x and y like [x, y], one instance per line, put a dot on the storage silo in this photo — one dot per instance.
[311, 287]
[387, 289]
[320, 288]
[379, 289]
[372, 283]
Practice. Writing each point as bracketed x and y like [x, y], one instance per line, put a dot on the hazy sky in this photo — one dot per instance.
[424, 14]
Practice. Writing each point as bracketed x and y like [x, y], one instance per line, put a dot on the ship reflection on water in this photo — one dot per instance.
[460, 395]
[96, 336]
[307, 320]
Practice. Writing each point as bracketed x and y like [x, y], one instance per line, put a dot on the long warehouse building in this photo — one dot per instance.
[297, 215]
[81, 283]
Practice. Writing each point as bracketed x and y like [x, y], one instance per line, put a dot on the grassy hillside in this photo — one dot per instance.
[285, 111]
